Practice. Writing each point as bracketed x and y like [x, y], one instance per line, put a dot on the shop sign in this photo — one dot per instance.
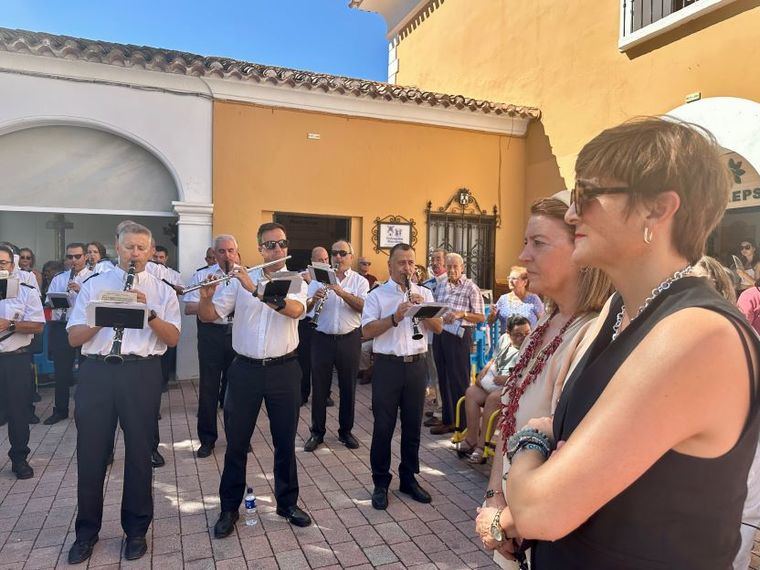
[745, 188]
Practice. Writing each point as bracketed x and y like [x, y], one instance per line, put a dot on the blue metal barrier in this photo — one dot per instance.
[42, 364]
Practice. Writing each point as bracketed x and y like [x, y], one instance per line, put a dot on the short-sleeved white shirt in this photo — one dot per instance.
[60, 283]
[380, 303]
[199, 277]
[140, 342]
[337, 316]
[27, 306]
[258, 331]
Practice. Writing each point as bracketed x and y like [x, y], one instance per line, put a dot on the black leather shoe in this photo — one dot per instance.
[157, 460]
[135, 547]
[81, 550]
[34, 418]
[349, 440]
[204, 451]
[312, 443]
[380, 498]
[329, 402]
[54, 418]
[416, 492]
[226, 524]
[295, 516]
[22, 469]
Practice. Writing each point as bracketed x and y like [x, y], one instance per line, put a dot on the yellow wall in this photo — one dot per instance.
[362, 168]
[562, 57]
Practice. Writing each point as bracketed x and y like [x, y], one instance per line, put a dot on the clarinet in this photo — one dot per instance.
[318, 309]
[65, 310]
[416, 334]
[115, 357]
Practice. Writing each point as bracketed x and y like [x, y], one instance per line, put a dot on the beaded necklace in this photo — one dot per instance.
[514, 387]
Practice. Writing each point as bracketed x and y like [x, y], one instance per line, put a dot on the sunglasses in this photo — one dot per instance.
[582, 192]
[340, 252]
[744, 246]
[74, 256]
[25, 257]
[365, 263]
[271, 244]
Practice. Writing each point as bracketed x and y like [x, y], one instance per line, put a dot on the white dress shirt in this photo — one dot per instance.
[199, 277]
[60, 283]
[24, 307]
[141, 342]
[337, 316]
[258, 330]
[27, 277]
[162, 272]
[383, 301]
[103, 265]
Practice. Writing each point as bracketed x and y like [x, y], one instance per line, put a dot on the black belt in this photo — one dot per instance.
[125, 357]
[404, 359]
[24, 350]
[261, 362]
[337, 336]
[220, 325]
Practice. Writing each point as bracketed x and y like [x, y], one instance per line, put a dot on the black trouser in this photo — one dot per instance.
[305, 332]
[129, 393]
[215, 355]
[343, 352]
[168, 365]
[397, 386]
[452, 359]
[15, 388]
[63, 356]
[278, 386]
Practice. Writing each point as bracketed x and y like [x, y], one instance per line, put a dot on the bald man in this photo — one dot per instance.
[305, 331]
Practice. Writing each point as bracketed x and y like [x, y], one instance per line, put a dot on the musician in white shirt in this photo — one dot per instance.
[215, 351]
[62, 352]
[400, 374]
[265, 337]
[129, 393]
[336, 343]
[21, 318]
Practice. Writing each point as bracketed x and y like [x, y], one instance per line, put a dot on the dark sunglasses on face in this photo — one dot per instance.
[25, 257]
[340, 252]
[583, 191]
[744, 246]
[283, 243]
[365, 263]
[74, 256]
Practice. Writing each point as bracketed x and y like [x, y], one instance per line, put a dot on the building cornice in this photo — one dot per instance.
[229, 79]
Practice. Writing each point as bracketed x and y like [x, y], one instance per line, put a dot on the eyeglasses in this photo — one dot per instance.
[583, 192]
[74, 256]
[25, 257]
[365, 263]
[4, 263]
[340, 252]
[271, 244]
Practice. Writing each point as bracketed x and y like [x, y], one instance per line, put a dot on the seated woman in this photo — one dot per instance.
[658, 431]
[519, 301]
[485, 393]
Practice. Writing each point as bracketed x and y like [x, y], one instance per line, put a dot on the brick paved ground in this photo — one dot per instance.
[37, 515]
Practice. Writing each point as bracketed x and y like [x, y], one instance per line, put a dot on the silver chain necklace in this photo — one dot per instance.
[664, 286]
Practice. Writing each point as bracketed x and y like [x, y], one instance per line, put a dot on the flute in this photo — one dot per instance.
[226, 278]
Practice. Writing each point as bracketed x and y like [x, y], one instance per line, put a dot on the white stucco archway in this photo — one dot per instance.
[174, 128]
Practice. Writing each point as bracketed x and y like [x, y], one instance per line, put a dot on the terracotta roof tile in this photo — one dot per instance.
[170, 61]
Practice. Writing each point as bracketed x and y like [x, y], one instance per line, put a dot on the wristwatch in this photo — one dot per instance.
[279, 304]
[497, 533]
[12, 326]
[152, 315]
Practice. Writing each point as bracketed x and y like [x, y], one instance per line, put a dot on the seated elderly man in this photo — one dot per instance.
[486, 392]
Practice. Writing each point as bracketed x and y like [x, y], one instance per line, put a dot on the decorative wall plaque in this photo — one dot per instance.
[392, 230]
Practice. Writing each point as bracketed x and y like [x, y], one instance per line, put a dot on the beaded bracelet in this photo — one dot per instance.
[529, 438]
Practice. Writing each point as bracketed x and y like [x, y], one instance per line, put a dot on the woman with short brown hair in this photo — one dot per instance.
[658, 431]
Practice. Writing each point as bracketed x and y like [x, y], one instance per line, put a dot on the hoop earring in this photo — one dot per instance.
[648, 235]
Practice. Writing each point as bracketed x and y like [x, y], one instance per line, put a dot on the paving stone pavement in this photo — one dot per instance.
[37, 515]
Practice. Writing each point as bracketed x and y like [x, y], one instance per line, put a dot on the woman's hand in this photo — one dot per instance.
[544, 425]
[483, 527]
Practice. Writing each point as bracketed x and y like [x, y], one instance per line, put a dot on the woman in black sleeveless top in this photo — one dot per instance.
[659, 419]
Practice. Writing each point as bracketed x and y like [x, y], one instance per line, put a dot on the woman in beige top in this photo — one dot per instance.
[577, 294]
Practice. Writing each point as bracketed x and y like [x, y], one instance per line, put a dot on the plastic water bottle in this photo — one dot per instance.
[251, 516]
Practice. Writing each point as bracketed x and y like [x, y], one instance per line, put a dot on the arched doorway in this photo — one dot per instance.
[64, 183]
